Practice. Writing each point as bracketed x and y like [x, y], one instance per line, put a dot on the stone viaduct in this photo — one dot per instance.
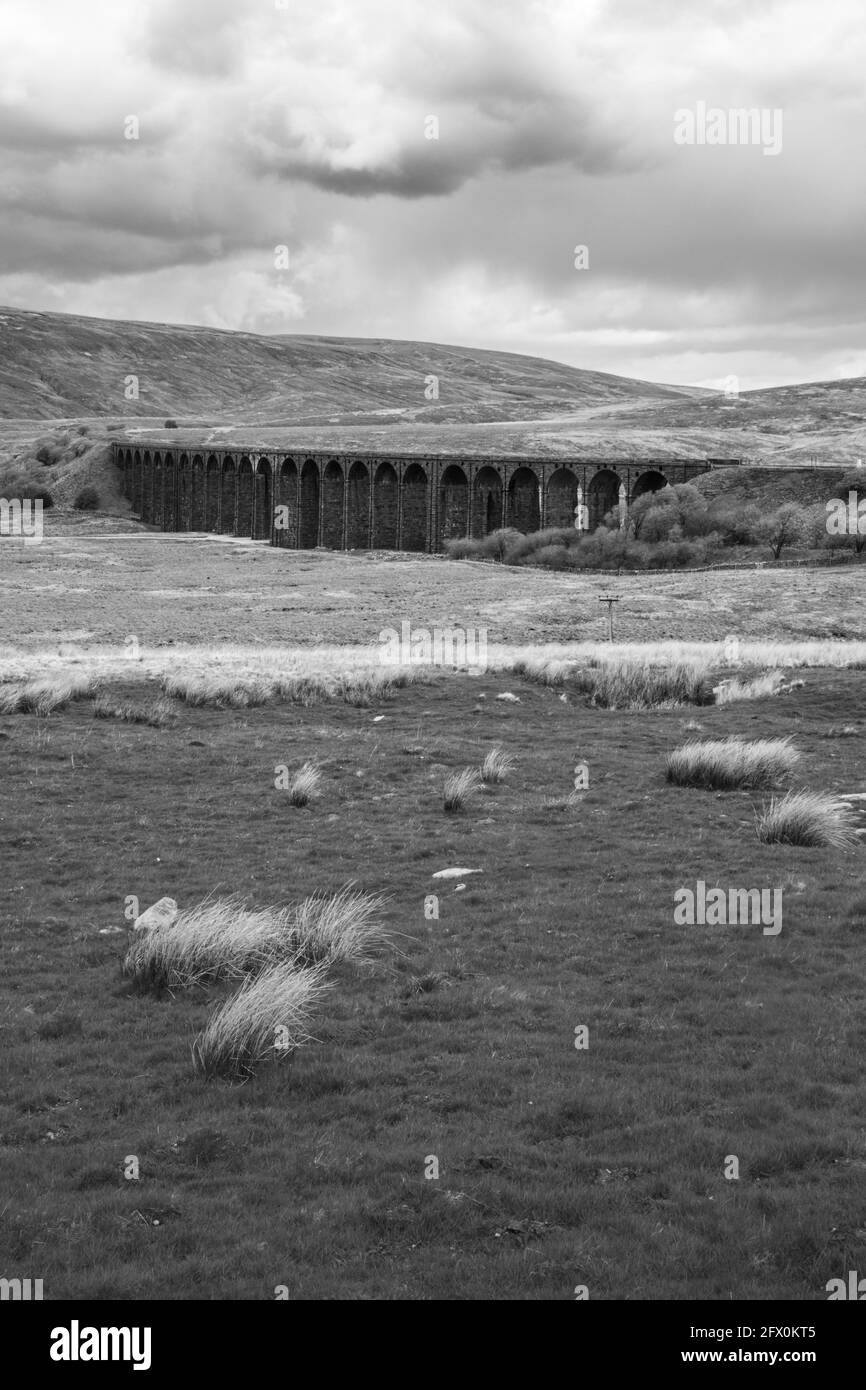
[363, 501]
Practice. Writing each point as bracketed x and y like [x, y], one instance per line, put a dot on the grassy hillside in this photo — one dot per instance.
[60, 365]
[301, 391]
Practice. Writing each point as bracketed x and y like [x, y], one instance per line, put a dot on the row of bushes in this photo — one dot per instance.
[561, 549]
[668, 529]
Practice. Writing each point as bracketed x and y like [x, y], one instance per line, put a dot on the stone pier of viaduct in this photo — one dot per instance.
[363, 501]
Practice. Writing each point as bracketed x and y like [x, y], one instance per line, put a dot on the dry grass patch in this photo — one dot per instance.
[757, 688]
[809, 819]
[219, 938]
[725, 764]
[344, 927]
[157, 715]
[305, 785]
[459, 786]
[644, 685]
[267, 1018]
[222, 939]
[496, 766]
[46, 695]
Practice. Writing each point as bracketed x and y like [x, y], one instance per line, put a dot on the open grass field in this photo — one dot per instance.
[85, 589]
[558, 1166]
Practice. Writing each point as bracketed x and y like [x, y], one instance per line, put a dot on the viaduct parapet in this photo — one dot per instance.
[366, 501]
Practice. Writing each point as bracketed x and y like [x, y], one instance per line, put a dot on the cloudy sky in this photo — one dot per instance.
[306, 124]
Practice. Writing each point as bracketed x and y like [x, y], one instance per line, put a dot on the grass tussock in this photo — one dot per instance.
[217, 939]
[459, 786]
[305, 785]
[809, 819]
[157, 715]
[643, 685]
[756, 688]
[725, 764]
[266, 1019]
[222, 939]
[346, 927]
[496, 766]
[217, 689]
[46, 695]
[543, 670]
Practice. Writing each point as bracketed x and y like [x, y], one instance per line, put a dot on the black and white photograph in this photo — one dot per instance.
[432, 652]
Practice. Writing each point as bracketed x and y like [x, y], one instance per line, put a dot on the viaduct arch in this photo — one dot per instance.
[359, 501]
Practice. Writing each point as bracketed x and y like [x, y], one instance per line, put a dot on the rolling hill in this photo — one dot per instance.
[58, 366]
[362, 393]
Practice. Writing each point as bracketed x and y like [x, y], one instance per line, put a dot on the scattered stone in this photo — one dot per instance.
[160, 914]
[509, 698]
[455, 873]
[109, 931]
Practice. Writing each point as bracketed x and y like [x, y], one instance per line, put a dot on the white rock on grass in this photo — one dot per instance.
[456, 873]
[509, 698]
[160, 914]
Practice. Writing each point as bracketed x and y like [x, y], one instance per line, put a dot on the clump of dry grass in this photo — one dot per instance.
[222, 939]
[756, 688]
[809, 819]
[305, 785]
[563, 803]
[459, 786]
[221, 689]
[218, 690]
[496, 766]
[724, 764]
[45, 695]
[344, 927]
[219, 938]
[642, 685]
[544, 670]
[268, 1017]
[157, 715]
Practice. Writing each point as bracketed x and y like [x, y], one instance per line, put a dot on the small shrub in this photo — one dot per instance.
[459, 786]
[170, 425]
[36, 493]
[724, 764]
[808, 819]
[87, 500]
[48, 454]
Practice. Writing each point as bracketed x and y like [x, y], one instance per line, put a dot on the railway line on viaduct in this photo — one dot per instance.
[365, 501]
